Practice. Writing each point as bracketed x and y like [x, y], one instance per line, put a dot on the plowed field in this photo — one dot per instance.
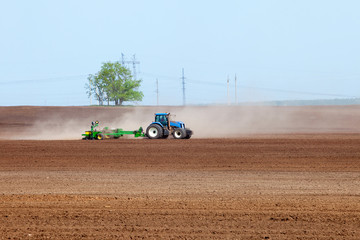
[276, 186]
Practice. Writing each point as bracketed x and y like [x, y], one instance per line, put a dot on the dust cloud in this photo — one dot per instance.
[237, 121]
[205, 121]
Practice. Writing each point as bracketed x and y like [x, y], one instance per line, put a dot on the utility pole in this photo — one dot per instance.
[90, 91]
[157, 92]
[134, 66]
[133, 62]
[183, 86]
[236, 100]
[228, 90]
[122, 59]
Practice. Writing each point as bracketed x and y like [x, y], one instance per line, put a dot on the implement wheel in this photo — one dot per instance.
[154, 131]
[99, 137]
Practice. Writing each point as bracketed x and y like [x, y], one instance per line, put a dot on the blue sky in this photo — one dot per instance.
[279, 49]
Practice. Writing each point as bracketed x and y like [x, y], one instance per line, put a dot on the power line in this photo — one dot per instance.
[204, 82]
[236, 100]
[159, 76]
[298, 92]
[157, 92]
[183, 86]
[54, 79]
[272, 89]
[228, 90]
[195, 81]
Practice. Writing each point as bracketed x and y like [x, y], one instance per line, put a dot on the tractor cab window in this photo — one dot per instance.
[162, 119]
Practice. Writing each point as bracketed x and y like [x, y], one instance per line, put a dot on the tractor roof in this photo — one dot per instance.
[161, 114]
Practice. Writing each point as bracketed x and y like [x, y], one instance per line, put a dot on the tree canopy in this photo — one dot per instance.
[113, 83]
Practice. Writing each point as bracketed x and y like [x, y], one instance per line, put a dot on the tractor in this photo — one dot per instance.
[162, 127]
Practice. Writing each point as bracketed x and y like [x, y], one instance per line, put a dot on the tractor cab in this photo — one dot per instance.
[163, 119]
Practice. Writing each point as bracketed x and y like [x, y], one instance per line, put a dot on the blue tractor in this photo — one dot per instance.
[162, 127]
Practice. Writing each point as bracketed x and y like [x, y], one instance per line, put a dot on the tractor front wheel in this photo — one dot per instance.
[189, 133]
[154, 131]
[179, 133]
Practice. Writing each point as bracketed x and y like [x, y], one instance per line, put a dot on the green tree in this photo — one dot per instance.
[115, 83]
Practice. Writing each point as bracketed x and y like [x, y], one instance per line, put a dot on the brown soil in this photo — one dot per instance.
[275, 186]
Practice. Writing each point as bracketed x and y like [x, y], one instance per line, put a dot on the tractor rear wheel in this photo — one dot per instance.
[154, 131]
[179, 133]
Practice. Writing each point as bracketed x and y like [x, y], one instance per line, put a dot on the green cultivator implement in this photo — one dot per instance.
[95, 134]
[116, 133]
